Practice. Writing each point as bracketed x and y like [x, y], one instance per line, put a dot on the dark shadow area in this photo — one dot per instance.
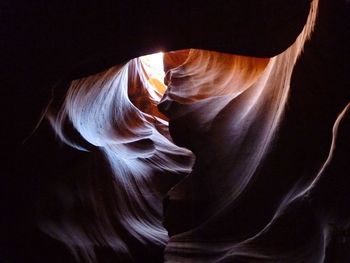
[44, 45]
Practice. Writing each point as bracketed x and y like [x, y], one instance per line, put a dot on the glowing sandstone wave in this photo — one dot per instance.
[199, 138]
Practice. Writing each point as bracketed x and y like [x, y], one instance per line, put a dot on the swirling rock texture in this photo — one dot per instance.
[230, 164]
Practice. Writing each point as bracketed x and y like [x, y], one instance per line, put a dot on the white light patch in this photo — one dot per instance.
[154, 69]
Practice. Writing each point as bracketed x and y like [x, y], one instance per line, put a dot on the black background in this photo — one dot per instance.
[45, 44]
